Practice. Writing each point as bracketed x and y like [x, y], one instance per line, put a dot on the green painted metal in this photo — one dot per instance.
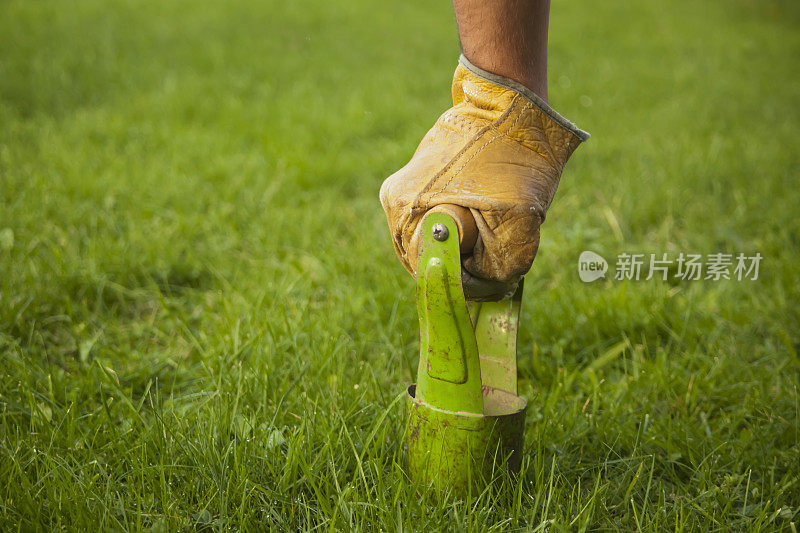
[496, 326]
[459, 452]
[450, 376]
[465, 418]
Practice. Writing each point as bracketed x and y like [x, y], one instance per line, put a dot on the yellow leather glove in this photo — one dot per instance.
[499, 151]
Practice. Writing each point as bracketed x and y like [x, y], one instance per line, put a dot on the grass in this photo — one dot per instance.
[202, 323]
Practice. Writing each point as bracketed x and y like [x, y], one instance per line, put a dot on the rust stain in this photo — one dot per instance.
[412, 438]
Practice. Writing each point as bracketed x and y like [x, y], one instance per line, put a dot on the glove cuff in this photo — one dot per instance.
[527, 93]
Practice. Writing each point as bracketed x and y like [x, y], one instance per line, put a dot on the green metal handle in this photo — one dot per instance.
[464, 348]
[496, 328]
[449, 374]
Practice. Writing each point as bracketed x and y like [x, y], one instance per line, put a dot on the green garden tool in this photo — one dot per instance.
[465, 417]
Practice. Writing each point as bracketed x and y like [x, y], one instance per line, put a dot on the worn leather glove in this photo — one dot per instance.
[499, 151]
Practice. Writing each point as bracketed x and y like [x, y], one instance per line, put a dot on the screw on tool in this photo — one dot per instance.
[440, 232]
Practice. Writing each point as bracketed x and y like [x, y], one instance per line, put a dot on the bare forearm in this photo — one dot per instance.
[506, 37]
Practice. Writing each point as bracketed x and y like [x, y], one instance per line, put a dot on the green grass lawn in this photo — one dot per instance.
[203, 324]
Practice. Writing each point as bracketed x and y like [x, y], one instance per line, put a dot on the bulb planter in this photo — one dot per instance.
[465, 419]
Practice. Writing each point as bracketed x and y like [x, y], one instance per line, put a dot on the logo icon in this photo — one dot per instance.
[591, 266]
